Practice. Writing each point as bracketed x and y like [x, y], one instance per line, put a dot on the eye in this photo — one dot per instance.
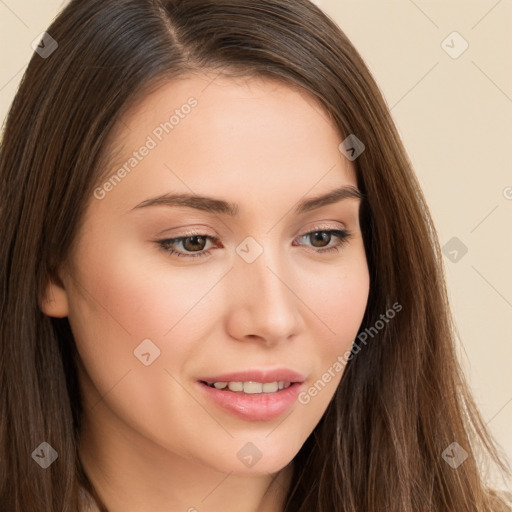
[192, 245]
[322, 237]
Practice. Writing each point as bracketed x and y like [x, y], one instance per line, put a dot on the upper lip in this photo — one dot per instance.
[257, 375]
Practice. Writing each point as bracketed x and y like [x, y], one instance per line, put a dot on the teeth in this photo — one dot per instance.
[251, 387]
[269, 387]
[236, 386]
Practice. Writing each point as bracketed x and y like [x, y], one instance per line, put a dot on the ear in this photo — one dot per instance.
[55, 299]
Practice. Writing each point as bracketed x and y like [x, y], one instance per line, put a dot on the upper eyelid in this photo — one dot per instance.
[322, 226]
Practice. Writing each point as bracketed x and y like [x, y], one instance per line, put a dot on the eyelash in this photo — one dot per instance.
[341, 234]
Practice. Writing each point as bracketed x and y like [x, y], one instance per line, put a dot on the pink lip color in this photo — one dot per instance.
[254, 407]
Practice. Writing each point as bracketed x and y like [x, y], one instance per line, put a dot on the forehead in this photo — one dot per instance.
[216, 91]
[211, 131]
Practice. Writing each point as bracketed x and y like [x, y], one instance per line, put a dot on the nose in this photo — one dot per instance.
[263, 304]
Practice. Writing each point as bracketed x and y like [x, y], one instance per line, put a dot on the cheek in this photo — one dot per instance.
[119, 301]
[347, 307]
[125, 294]
[337, 296]
[339, 301]
[141, 293]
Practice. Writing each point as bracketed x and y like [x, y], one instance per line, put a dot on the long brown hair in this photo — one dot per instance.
[402, 400]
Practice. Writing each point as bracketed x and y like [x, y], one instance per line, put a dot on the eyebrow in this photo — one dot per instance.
[219, 206]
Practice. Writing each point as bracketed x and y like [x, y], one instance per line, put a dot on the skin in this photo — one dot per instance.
[150, 441]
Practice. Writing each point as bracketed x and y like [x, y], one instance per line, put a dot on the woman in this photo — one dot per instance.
[222, 288]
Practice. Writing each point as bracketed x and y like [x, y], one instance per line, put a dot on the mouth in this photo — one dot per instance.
[251, 405]
[253, 395]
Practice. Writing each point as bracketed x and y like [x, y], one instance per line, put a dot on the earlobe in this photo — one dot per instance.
[55, 300]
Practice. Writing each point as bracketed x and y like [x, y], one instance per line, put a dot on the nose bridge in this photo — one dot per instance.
[262, 273]
[253, 263]
[263, 301]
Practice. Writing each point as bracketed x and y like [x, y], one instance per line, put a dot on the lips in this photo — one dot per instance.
[252, 407]
[251, 404]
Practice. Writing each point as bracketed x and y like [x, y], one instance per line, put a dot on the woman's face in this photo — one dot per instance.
[247, 289]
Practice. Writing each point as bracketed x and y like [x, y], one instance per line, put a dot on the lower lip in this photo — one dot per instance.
[257, 406]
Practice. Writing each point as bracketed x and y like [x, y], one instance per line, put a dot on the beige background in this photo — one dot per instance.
[455, 117]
